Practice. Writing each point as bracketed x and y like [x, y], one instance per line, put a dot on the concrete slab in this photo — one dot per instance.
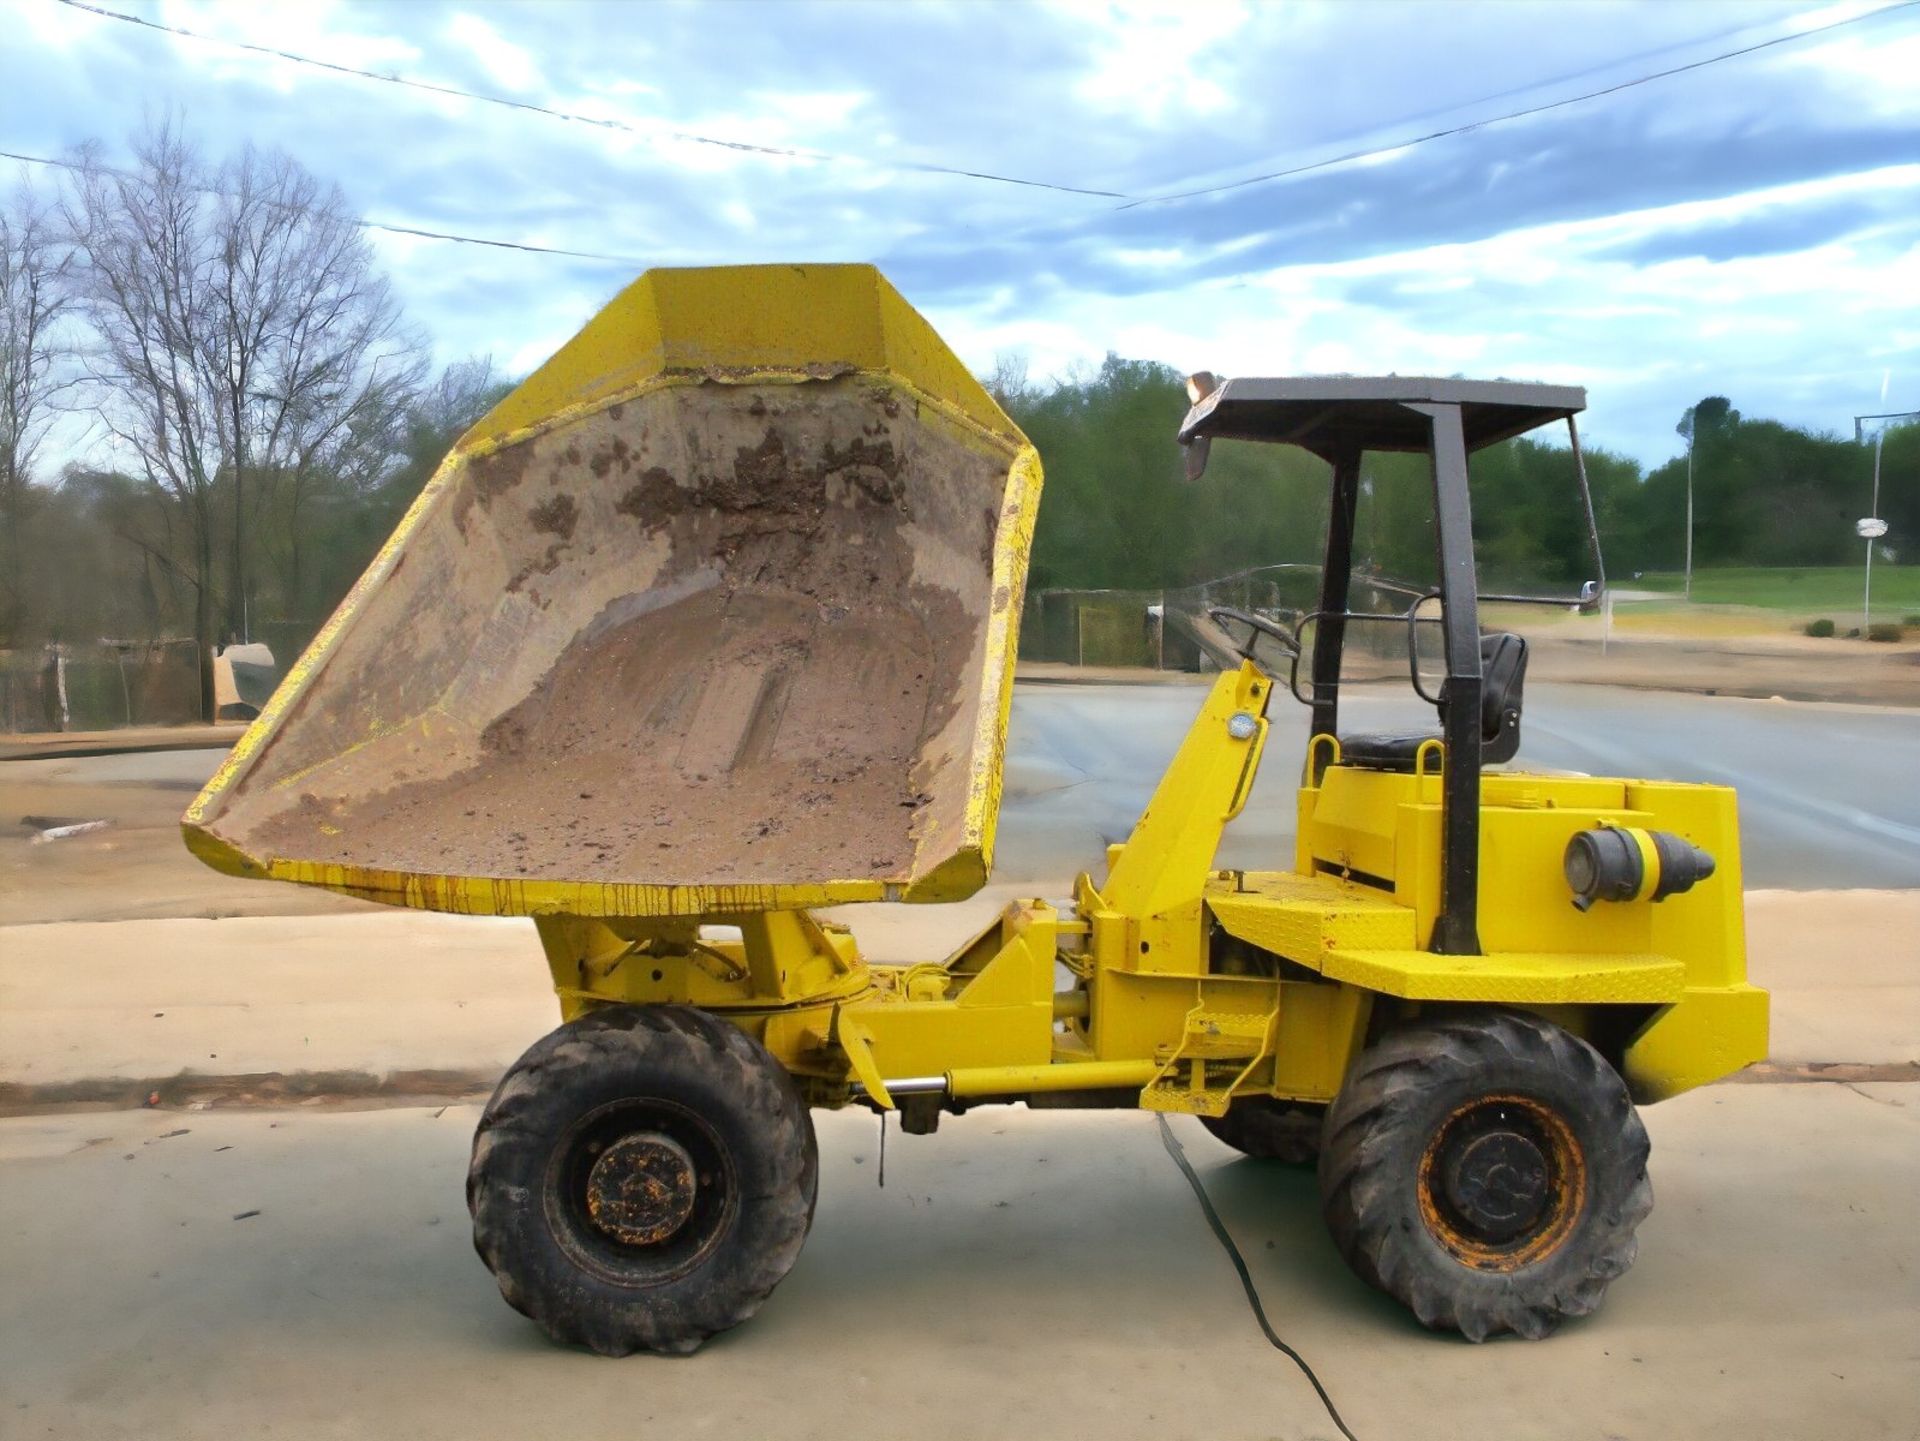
[1844, 969]
[377, 991]
[1038, 1274]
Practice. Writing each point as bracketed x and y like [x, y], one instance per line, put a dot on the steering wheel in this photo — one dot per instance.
[1256, 625]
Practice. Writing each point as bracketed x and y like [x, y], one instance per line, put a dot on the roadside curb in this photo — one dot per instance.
[257, 1090]
[363, 1090]
[1057, 673]
[71, 745]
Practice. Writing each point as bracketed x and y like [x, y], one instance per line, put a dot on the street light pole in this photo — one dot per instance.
[1687, 584]
[1873, 509]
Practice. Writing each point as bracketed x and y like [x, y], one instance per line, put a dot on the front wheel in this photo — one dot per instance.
[642, 1179]
[1487, 1170]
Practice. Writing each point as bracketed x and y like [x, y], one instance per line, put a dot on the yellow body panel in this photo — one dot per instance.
[1302, 917]
[1521, 978]
[1713, 1032]
[1157, 1006]
[797, 322]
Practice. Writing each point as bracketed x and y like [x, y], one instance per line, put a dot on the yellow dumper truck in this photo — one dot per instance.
[711, 623]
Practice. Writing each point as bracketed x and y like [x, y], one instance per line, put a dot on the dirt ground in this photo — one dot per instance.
[136, 865]
[1697, 660]
[55, 745]
[1713, 650]
[1761, 666]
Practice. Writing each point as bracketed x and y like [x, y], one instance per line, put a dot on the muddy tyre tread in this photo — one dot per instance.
[1377, 1127]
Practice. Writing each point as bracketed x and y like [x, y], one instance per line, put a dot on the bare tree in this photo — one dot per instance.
[313, 364]
[243, 339]
[340, 444]
[459, 397]
[1009, 382]
[146, 292]
[36, 291]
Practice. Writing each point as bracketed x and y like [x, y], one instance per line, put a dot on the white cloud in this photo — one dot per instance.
[1878, 71]
[57, 27]
[817, 111]
[510, 65]
[1163, 258]
[1149, 56]
[321, 29]
[531, 354]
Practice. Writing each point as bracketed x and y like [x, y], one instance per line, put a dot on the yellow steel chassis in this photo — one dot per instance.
[1164, 1007]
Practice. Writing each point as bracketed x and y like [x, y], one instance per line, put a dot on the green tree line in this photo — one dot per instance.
[1118, 514]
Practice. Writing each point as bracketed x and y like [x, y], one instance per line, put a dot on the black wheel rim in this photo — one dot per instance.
[640, 1191]
[1502, 1182]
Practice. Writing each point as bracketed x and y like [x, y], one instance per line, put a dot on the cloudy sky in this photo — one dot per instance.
[1751, 227]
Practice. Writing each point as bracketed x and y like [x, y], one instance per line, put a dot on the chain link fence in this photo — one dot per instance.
[1154, 629]
[99, 686]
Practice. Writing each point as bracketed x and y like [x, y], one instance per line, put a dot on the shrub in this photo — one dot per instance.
[1886, 631]
[1910, 620]
[1820, 629]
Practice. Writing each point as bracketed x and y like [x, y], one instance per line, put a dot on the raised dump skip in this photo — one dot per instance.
[715, 613]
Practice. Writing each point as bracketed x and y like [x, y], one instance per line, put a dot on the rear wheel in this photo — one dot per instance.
[642, 1179]
[1488, 1170]
[1270, 1130]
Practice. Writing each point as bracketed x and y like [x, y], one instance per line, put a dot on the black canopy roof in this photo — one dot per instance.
[1331, 414]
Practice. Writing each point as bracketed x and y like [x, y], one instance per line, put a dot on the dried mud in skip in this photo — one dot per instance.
[789, 696]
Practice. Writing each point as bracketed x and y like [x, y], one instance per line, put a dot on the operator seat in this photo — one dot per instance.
[1503, 670]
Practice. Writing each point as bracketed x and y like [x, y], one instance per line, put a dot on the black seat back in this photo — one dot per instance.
[1503, 676]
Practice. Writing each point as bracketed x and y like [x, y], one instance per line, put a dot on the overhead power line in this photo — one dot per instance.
[689, 137]
[1565, 77]
[1472, 125]
[389, 228]
[786, 152]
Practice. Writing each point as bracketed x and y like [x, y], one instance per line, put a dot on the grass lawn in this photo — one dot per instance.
[1801, 590]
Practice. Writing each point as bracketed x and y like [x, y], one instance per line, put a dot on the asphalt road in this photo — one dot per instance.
[1829, 794]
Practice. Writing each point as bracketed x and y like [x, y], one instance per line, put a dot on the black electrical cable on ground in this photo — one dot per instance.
[1179, 1154]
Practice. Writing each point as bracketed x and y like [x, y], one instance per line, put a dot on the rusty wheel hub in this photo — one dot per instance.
[1503, 1182]
[641, 1189]
[1497, 1182]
